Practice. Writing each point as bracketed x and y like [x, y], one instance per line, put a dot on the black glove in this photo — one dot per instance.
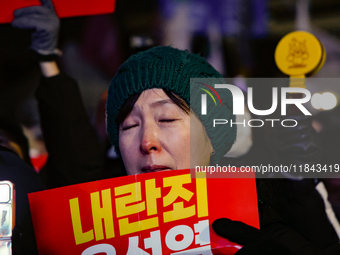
[275, 240]
[45, 22]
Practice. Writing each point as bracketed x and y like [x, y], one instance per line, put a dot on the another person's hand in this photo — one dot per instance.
[275, 240]
[45, 22]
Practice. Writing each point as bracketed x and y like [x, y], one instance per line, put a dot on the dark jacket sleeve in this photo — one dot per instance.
[75, 155]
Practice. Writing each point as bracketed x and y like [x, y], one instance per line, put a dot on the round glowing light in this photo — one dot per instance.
[328, 101]
[316, 101]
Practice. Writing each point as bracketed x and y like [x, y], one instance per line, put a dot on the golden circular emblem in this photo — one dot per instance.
[299, 54]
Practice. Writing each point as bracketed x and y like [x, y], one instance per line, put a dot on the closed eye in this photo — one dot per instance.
[129, 127]
[167, 120]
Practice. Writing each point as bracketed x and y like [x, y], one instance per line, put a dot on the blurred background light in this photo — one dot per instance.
[324, 101]
[316, 101]
[328, 101]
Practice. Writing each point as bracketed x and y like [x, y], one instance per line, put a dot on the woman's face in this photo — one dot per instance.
[155, 136]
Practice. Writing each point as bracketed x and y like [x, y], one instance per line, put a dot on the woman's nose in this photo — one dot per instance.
[150, 142]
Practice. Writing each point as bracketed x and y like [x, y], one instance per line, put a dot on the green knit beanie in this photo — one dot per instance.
[168, 68]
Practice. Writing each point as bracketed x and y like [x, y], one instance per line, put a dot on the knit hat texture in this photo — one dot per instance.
[168, 68]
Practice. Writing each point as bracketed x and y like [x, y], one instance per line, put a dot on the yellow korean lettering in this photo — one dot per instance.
[202, 197]
[122, 207]
[79, 236]
[152, 193]
[103, 212]
[125, 227]
[177, 190]
[179, 212]
[133, 192]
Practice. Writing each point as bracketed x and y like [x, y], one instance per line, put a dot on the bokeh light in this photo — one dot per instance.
[316, 101]
[328, 101]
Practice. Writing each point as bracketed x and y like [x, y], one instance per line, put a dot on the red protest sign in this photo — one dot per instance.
[64, 8]
[158, 213]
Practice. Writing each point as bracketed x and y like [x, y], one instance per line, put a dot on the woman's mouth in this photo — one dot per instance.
[154, 168]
